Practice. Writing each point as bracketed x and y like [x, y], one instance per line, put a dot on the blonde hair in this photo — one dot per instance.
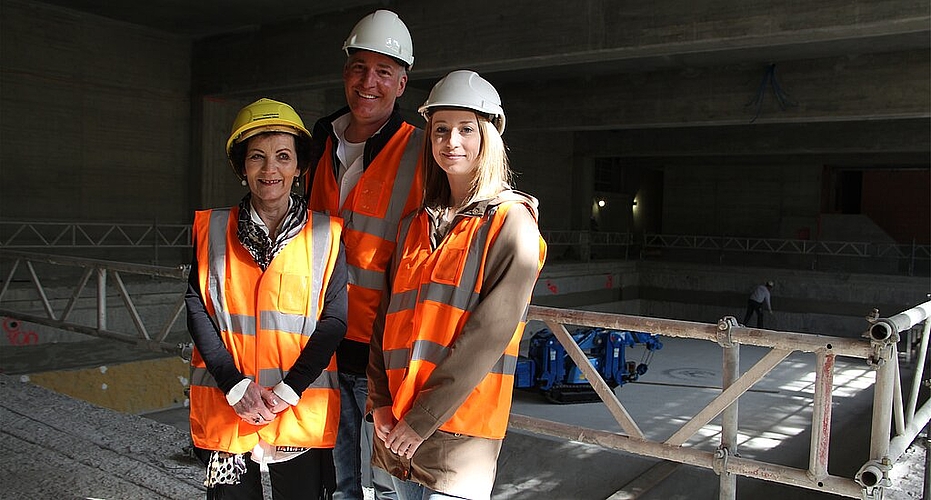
[492, 170]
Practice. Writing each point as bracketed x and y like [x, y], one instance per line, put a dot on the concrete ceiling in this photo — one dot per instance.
[616, 66]
[203, 18]
[206, 18]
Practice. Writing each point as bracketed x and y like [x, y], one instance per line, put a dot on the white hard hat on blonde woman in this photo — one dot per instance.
[466, 89]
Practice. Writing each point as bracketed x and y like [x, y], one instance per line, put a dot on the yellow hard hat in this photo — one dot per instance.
[264, 115]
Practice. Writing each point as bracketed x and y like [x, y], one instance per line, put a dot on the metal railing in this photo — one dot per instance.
[786, 246]
[20, 235]
[22, 267]
[892, 411]
[586, 241]
[24, 234]
[594, 238]
[861, 256]
[879, 352]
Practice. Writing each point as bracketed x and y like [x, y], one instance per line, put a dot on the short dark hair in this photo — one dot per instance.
[301, 148]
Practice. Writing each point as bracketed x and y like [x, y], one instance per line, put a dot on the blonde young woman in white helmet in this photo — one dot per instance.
[266, 305]
[364, 169]
[444, 350]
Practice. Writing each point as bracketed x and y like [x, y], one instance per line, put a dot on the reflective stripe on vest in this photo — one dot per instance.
[431, 298]
[371, 213]
[264, 318]
[268, 378]
[270, 320]
[424, 350]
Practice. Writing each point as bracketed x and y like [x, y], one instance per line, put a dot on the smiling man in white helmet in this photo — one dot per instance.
[364, 169]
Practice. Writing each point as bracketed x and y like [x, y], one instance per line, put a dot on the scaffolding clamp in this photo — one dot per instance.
[883, 338]
[874, 478]
[725, 325]
[186, 351]
[719, 464]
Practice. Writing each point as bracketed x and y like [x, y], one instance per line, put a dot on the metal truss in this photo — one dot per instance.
[19, 235]
[22, 235]
[593, 238]
[104, 272]
[799, 247]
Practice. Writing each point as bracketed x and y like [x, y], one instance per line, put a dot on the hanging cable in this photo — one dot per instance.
[770, 81]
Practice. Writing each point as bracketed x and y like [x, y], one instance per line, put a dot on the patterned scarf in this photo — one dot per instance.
[256, 240]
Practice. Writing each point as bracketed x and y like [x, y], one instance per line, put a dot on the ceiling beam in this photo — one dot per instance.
[869, 137]
[866, 87]
[556, 39]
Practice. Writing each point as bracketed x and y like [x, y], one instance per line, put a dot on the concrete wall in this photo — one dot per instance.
[804, 301]
[103, 120]
[754, 200]
[95, 121]
[543, 166]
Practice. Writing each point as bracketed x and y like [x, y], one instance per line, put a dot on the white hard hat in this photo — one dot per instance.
[382, 31]
[466, 89]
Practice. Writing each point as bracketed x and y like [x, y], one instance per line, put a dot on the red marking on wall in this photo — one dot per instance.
[609, 281]
[16, 335]
[551, 287]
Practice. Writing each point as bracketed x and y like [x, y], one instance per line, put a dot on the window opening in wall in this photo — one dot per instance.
[849, 192]
[892, 201]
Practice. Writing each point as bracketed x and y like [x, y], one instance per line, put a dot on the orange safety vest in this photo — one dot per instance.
[431, 299]
[265, 319]
[389, 188]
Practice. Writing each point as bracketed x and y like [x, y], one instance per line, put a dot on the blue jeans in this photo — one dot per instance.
[352, 454]
[409, 490]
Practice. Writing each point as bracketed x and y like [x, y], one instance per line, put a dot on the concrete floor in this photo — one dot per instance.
[774, 426]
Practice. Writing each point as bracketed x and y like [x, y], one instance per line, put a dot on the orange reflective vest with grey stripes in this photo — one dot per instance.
[265, 318]
[432, 295]
[389, 188]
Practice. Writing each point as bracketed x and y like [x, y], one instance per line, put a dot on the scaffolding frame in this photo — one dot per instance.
[878, 350]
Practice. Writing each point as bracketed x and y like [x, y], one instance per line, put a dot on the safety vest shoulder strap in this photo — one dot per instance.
[211, 227]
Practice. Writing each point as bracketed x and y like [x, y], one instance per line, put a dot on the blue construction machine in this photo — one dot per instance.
[547, 367]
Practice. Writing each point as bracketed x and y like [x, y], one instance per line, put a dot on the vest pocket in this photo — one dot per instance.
[448, 266]
[369, 195]
[293, 294]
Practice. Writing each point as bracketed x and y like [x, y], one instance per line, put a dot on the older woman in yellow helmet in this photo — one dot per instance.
[266, 308]
[444, 349]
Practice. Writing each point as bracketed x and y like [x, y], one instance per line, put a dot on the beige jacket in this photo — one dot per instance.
[457, 464]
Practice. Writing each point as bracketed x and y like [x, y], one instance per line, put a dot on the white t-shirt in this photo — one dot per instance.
[349, 155]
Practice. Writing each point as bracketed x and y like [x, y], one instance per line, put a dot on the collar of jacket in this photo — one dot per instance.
[323, 130]
[482, 207]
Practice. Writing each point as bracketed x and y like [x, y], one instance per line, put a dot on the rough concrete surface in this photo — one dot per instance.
[56, 447]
